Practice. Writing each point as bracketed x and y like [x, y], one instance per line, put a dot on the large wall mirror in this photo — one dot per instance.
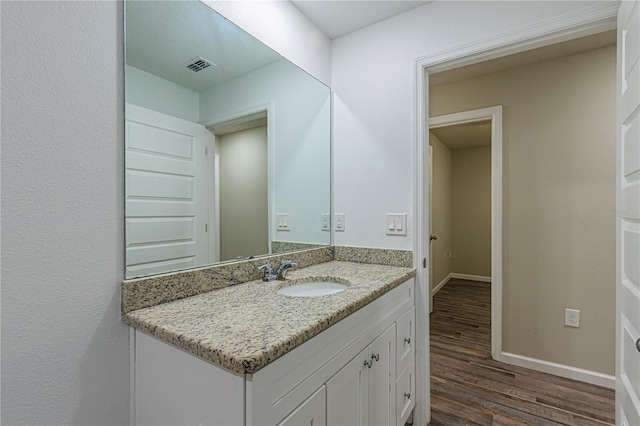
[227, 143]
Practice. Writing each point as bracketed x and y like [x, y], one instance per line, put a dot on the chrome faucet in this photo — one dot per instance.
[271, 274]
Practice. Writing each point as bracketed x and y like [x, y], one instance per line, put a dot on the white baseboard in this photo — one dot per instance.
[442, 283]
[561, 370]
[470, 277]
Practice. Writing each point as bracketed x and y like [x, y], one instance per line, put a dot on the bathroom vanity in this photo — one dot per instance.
[246, 355]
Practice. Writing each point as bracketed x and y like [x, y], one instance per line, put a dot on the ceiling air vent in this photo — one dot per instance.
[198, 64]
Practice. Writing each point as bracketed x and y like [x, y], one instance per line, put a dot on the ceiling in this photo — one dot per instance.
[465, 136]
[339, 17]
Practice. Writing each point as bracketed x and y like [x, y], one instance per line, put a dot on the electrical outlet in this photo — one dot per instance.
[325, 223]
[339, 227]
[572, 317]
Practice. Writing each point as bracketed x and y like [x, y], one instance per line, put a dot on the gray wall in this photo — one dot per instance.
[244, 206]
[65, 353]
[471, 210]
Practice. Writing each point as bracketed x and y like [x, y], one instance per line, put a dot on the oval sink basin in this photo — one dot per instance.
[312, 289]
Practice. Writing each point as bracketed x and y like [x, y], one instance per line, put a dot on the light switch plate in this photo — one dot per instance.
[396, 224]
[340, 225]
[282, 221]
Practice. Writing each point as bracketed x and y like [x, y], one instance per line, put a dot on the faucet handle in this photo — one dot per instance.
[269, 272]
[266, 267]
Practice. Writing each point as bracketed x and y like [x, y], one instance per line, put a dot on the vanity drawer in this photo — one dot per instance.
[405, 339]
[405, 394]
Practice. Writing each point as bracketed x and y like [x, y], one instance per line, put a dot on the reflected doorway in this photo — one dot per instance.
[241, 189]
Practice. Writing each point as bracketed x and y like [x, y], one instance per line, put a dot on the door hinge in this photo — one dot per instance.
[424, 262]
[206, 227]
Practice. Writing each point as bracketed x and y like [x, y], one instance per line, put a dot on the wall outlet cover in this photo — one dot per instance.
[325, 222]
[340, 225]
[572, 317]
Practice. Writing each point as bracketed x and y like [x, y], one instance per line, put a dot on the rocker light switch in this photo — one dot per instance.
[283, 221]
[396, 224]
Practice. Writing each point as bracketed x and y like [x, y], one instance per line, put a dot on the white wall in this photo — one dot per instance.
[65, 353]
[157, 94]
[372, 75]
[301, 166]
[281, 26]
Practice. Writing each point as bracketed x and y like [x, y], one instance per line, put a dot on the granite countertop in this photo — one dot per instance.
[246, 326]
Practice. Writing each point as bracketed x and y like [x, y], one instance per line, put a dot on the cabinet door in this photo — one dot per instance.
[405, 338]
[382, 378]
[405, 396]
[347, 392]
[312, 412]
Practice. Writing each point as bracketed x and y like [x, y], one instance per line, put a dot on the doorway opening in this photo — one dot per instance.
[545, 250]
[572, 27]
[560, 101]
[242, 195]
[471, 223]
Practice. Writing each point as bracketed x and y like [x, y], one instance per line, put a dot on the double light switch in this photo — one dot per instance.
[396, 224]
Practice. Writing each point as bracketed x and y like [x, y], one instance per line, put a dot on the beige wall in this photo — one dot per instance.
[559, 162]
[243, 193]
[471, 209]
[440, 211]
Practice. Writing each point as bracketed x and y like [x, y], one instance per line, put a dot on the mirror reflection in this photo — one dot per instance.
[227, 143]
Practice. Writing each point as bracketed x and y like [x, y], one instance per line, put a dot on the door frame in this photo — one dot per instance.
[591, 20]
[494, 114]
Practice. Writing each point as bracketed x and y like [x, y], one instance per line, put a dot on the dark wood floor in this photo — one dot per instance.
[469, 388]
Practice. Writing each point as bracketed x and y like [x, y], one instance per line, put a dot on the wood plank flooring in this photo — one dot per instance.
[469, 388]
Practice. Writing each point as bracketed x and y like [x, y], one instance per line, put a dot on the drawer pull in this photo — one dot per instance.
[407, 395]
[368, 363]
[376, 357]
[407, 340]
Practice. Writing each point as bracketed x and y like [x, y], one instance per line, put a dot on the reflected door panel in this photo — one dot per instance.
[165, 193]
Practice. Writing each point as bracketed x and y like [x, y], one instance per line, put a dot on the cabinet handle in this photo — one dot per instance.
[368, 363]
[407, 340]
[407, 395]
[376, 357]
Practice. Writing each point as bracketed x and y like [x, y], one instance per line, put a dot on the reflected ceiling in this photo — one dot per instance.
[161, 44]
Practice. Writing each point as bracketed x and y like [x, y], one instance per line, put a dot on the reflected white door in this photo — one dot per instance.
[165, 193]
[628, 217]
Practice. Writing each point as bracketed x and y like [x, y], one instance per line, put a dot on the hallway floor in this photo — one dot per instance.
[469, 388]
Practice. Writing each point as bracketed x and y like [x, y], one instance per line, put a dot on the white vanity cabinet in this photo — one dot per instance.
[356, 372]
[362, 392]
[312, 412]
